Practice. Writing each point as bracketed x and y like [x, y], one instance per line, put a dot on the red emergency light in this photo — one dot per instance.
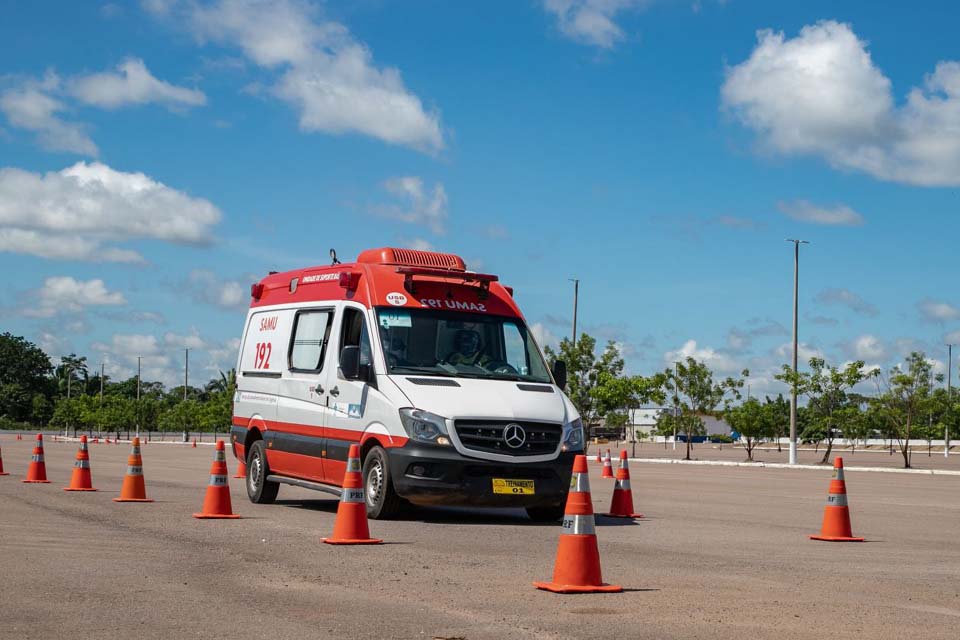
[256, 290]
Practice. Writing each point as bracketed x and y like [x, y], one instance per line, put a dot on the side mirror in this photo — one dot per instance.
[350, 362]
[560, 373]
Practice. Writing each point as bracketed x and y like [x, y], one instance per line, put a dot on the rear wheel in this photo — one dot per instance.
[259, 489]
[546, 514]
[382, 501]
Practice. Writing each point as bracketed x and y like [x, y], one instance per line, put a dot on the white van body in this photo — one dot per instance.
[427, 367]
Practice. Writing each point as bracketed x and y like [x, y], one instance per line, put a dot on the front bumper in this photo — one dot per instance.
[448, 478]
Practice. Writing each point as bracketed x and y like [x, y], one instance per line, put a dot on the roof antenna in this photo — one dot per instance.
[333, 256]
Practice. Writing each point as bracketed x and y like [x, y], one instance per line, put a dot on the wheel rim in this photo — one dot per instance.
[374, 482]
[255, 472]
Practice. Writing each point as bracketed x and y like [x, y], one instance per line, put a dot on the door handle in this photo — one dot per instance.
[335, 392]
[318, 390]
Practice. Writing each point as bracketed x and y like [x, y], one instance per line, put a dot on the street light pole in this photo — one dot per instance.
[576, 295]
[186, 376]
[138, 396]
[676, 401]
[793, 387]
[946, 423]
[100, 420]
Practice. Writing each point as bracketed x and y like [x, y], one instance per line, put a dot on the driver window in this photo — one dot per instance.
[353, 332]
[515, 348]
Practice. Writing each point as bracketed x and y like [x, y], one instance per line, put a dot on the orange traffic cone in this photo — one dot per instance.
[37, 471]
[2, 472]
[622, 504]
[216, 504]
[607, 466]
[599, 459]
[194, 444]
[81, 480]
[133, 489]
[836, 515]
[241, 469]
[351, 524]
[577, 567]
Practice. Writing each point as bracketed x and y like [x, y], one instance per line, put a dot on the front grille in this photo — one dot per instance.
[487, 435]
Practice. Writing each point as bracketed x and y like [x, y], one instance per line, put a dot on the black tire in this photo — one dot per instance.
[259, 489]
[382, 501]
[552, 513]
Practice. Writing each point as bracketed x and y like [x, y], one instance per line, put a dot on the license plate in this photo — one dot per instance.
[513, 487]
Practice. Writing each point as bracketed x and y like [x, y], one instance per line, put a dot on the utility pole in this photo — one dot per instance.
[100, 417]
[186, 377]
[576, 295]
[138, 396]
[66, 431]
[946, 423]
[793, 387]
[676, 401]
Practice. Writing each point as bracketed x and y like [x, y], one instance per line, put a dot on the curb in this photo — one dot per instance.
[806, 467]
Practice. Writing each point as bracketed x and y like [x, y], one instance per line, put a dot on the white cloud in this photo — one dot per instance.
[845, 298]
[716, 360]
[590, 21]
[326, 74]
[804, 352]
[419, 205]
[805, 211]
[131, 84]
[191, 340]
[937, 310]
[820, 94]
[64, 294]
[77, 212]
[543, 336]
[868, 347]
[30, 106]
[420, 244]
[210, 288]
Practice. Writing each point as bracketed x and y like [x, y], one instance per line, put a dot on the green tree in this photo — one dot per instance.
[905, 399]
[24, 372]
[696, 394]
[778, 415]
[827, 389]
[752, 422]
[182, 416]
[41, 410]
[585, 371]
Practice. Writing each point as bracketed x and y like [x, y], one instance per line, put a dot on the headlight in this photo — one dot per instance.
[573, 436]
[424, 426]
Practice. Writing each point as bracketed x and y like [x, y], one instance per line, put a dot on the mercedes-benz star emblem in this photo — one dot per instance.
[514, 435]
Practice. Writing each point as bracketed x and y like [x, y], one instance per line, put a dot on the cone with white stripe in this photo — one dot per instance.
[351, 524]
[81, 480]
[836, 515]
[599, 459]
[37, 471]
[216, 504]
[607, 466]
[621, 506]
[134, 489]
[577, 568]
[2, 472]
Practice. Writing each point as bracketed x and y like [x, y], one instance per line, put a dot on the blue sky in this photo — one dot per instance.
[158, 157]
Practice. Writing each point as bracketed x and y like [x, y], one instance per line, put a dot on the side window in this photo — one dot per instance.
[353, 332]
[515, 348]
[311, 330]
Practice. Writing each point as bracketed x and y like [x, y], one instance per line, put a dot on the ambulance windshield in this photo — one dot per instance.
[465, 345]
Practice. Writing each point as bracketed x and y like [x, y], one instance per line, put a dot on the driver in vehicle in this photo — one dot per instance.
[468, 350]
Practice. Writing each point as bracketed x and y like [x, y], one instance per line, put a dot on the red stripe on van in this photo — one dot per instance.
[346, 435]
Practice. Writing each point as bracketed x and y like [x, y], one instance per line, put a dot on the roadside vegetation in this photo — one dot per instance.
[850, 402]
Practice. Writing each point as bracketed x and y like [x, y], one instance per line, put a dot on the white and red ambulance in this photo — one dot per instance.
[429, 367]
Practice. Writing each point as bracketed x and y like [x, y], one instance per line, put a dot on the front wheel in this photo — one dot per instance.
[382, 501]
[259, 489]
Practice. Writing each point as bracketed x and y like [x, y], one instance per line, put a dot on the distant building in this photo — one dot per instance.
[645, 419]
